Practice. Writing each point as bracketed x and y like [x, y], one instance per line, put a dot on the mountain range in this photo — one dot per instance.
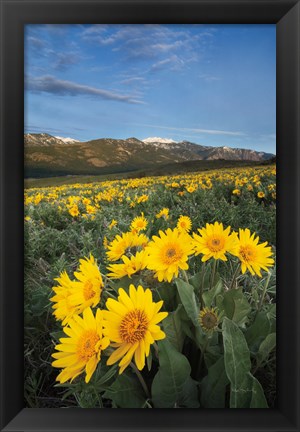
[47, 155]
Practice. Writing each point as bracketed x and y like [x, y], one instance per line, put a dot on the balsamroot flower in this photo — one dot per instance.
[73, 296]
[81, 351]
[184, 223]
[215, 242]
[124, 243]
[209, 319]
[131, 323]
[129, 266]
[169, 253]
[253, 256]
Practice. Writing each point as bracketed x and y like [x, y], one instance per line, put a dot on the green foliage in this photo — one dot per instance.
[172, 385]
[188, 299]
[126, 392]
[173, 328]
[245, 390]
[213, 386]
[236, 306]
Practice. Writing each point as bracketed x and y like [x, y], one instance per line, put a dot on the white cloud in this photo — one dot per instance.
[50, 84]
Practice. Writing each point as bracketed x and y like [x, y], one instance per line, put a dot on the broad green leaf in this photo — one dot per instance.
[209, 296]
[200, 337]
[258, 399]
[126, 392]
[212, 354]
[173, 328]
[249, 395]
[213, 386]
[266, 347]
[189, 398]
[188, 299]
[195, 334]
[240, 397]
[219, 303]
[167, 293]
[197, 280]
[169, 382]
[257, 331]
[237, 358]
[236, 306]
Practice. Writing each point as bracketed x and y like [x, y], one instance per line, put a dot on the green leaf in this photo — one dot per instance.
[258, 399]
[188, 300]
[126, 392]
[266, 347]
[236, 306]
[257, 331]
[237, 359]
[197, 279]
[101, 380]
[240, 397]
[213, 386]
[167, 293]
[212, 353]
[173, 328]
[209, 296]
[188, 398]
[249, 395]
[219, 303]
[169, 382]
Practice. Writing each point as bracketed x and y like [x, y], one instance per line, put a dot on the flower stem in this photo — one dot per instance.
[234, 278]
[264, 291]
[185, 276]
[141, 379]
[201, 288]
[213, 273]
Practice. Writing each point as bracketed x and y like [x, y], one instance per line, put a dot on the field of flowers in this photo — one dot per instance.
[157, 292]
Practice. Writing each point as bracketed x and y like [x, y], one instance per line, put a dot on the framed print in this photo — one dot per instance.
[144, 255]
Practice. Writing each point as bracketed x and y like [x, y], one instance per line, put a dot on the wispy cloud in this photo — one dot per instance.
[160, 45]
[64, 60]
[52, 85]
[209, 78]
[173, 63]
[133, 80]
[35, 42]
[72, 131]
[196, 130]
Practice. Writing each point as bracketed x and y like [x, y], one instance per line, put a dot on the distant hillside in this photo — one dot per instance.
[47, 156]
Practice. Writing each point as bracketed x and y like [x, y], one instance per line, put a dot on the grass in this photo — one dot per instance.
[168, 169]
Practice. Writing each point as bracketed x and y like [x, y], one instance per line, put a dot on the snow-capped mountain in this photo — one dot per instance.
[67, 140]
[159, 140]
[47, 155]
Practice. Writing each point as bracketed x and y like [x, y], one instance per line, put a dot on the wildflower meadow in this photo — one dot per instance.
[152, 292]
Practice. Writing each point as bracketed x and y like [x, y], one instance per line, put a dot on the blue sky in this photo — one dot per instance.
[208, 84]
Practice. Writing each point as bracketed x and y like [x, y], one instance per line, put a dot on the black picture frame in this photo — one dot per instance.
[14, 14]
